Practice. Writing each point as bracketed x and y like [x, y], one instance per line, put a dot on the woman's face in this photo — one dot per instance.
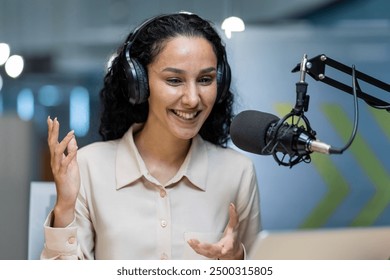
[183, 86]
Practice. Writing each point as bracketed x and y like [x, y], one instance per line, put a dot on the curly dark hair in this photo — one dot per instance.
[118, 114]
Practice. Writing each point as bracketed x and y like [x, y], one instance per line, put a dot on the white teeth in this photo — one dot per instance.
[185, 115]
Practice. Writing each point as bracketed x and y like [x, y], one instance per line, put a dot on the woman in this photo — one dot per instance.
[162, 184]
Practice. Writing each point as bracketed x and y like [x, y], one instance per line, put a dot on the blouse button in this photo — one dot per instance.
[163, 193]
[71, 240]
[164, 256]
[163, 223]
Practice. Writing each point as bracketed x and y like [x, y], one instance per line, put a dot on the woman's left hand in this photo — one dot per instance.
[228, 248]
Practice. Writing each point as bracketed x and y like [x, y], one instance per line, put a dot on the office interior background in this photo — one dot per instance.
[66, 45]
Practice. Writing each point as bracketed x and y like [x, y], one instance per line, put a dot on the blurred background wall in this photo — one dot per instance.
[66, 45]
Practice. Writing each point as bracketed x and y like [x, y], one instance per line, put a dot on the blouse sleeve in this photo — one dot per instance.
[74, 242]
[60, 243]
[248, 207]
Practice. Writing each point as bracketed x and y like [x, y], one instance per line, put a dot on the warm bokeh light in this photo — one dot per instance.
[4, 52]
[14, 66]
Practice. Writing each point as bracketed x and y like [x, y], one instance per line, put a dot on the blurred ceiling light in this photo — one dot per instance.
[14, 66]
[25, 104]
[232, 24]
[79, 111]
[4, 52]
[49, 95]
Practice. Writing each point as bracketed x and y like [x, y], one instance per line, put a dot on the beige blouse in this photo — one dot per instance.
[122, 212]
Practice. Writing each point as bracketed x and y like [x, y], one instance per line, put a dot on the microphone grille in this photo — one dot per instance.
[249, 129]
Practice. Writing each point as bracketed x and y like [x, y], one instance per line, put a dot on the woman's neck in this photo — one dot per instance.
[162, 153]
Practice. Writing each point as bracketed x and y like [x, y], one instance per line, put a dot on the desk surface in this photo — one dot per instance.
[364, 243]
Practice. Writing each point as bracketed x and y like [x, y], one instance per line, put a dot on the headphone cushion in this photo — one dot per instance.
[223, 80]
[138, 86]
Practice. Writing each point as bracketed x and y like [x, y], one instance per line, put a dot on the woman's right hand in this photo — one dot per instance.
[63, 161]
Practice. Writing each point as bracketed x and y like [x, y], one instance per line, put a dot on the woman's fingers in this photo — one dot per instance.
[72, 152]
[66, 161]
[72, 146]
[53, 129]
[206, 249]
[60, 161]
[233, 219]
[58, 153]
[228, 247]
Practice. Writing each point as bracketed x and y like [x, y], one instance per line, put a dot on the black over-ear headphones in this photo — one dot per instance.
[136, 74]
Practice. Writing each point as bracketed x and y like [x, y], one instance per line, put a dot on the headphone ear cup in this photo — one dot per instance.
[138, 85]
[223, 80]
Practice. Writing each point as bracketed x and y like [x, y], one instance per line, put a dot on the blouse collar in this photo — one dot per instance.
[130, 166]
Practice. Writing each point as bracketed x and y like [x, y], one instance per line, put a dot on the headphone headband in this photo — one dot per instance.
[136, 74]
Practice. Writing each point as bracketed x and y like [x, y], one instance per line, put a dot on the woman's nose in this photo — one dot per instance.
[191, 96]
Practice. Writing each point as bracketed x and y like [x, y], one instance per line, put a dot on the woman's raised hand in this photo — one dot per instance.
[229, 247]
[63, 161]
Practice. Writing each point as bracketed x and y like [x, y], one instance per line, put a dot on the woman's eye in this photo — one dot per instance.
[206, 80]
[173, 81]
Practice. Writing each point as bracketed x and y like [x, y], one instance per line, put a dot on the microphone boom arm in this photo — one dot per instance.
[315, 67]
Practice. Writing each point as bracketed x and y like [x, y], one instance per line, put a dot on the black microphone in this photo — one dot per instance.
[264, 134]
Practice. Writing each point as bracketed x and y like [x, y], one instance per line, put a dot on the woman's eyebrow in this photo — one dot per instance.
[174, 70]
[180, 71]
[208, 70]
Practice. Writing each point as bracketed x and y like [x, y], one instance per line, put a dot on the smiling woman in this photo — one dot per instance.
[162, 184]
[183, 89]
